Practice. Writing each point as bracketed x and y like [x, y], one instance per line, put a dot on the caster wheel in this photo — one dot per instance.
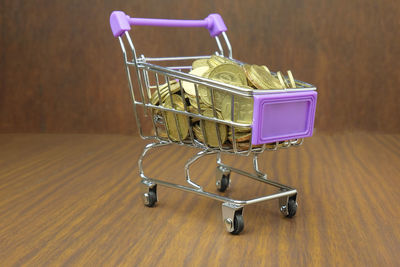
[150, 199]
[223, 184]
[238, 224]
[292, 208]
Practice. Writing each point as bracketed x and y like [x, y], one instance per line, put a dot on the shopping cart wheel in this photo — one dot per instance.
[232, 216]
[238, 224]
[292, 208]
[288, 205]
[222, 178]
[150, 197]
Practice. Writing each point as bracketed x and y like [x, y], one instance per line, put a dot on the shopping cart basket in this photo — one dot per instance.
[281, 118]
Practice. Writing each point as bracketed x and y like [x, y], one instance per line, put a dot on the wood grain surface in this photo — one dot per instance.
[62, 71]
[75, 200]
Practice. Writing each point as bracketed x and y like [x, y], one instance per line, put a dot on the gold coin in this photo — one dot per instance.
[189, 87]
[164, 90]
[246, 145]
[266, 69]
[198, 133]
[261, 78]
[226, 73]
[281, 79]
[239, 130]
[200, 63]
[265, 77]
[203, 91]
[180, 125]
[274, 145]
[291, 79]
[193, 102]
[162, 134]
[211, 129]
[194, 110]
[247, 71]
[212, 62]
[255, 76]
[240, 137]
[242, 108]
[204, 94]
[166, 93]
[215, 60]
[286, 81]
[154, 97]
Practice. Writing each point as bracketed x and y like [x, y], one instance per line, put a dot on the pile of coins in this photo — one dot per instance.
[223, 70]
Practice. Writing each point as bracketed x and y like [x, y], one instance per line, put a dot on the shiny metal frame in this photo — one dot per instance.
[285, 191]
[149, 77]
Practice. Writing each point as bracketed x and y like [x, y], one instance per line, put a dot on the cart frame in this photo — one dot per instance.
[232, 209]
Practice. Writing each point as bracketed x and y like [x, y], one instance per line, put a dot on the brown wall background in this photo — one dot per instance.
[61, 70]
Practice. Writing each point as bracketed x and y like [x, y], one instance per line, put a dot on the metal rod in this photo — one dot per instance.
[186, 109]
[146, 149]
[256, 177]
[174, 107]
[202, 127]
[131, 87]
[215, 116]
[190, 162]
[164, 111]
[219, 45]
[255, 166]
[150, 59]
[228, 44]
[152, 112]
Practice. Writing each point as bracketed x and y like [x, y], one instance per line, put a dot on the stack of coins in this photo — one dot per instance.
[177, 126]
[200, 99]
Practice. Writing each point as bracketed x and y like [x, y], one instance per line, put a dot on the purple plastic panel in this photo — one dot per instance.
[283, 116]
[120, 22]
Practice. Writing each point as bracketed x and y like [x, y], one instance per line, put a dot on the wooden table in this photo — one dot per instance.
[76, 200]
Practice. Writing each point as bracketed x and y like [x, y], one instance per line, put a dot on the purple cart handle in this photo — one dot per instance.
[120, 23]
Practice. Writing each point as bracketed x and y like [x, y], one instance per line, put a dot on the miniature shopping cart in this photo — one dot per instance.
[281, 118]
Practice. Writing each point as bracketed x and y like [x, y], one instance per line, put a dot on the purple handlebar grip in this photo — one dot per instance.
[120, 23]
